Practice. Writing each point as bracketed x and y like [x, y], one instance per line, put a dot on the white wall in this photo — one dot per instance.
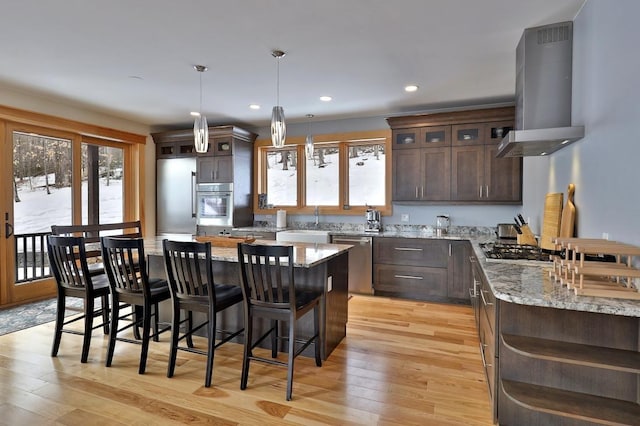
[606, 100]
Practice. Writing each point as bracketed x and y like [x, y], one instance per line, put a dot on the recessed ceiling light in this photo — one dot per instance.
[410, 88]
[326, 98]
[254, 106]
[543, 153]
[195, 113]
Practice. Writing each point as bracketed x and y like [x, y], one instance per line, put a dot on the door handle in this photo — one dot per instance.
[8, 230]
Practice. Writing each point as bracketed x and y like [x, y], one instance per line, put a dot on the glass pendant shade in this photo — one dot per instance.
[201, 134]
[278, 127]
[308, 147]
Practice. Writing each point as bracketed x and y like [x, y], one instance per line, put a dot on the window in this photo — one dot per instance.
[367, 174]
[346, 173]
[322, 177]
[282, 177]
[102, 191]
[42, 182]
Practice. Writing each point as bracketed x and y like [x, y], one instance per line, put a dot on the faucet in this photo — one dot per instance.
[317, 215]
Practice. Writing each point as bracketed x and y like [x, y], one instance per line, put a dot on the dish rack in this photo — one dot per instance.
[581, 270]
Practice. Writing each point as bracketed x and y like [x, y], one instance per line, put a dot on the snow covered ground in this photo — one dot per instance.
[37, 210]
[366, 183]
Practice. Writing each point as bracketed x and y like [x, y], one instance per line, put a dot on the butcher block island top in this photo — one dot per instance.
[305, 255]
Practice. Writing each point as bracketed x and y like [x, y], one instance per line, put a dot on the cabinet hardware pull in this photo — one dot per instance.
[449, 249]
[484, 301]
[486, 191]
[407, 249]
[422, 192]
[480, 191]
[408, 277]
[484, 361]
[193, 194]
[416, 192]
[472, 293]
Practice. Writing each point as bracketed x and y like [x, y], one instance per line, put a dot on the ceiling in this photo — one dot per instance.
[134, 59]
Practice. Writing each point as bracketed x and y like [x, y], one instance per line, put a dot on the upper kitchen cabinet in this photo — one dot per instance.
[421, 174]
[450, 157]
[468, 134]
[230, 151]
[421, 137]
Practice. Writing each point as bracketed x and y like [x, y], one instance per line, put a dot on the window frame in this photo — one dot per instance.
[343, 140]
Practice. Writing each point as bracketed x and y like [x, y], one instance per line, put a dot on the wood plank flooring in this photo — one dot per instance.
[402, 362]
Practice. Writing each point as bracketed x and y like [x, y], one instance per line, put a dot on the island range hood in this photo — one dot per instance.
[543, 93]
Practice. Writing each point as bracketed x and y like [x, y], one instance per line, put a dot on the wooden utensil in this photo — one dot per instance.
[551, 220]
[567, 223]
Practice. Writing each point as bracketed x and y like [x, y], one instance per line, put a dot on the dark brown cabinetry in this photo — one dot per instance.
[548, 366]
[486, 310]
[425, 175]
[451, 157]
[424, 269]
[215, 169]
[477, 175]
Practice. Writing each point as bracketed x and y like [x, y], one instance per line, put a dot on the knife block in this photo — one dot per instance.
[527, 237]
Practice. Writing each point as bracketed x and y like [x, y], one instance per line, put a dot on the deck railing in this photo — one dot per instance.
[32, 262]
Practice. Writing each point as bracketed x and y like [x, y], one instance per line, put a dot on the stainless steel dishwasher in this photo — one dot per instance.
[360, 262]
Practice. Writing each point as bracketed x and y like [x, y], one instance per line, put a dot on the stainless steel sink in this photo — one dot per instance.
[303, 236]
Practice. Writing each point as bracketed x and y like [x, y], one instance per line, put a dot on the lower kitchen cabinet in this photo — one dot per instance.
[422, 268]
[413, 282]
[564, 367]
[548, 366]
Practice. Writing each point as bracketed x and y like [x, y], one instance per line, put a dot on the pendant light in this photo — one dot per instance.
[308, 145]
[200, 127]
[278, 126]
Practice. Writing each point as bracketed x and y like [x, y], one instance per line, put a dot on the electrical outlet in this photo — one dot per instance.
[605, 235]
[404, 218]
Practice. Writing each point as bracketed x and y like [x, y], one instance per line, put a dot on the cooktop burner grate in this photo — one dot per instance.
[513, 251]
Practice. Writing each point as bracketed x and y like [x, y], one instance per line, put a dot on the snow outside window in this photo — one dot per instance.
[323, 176]
[282, 177]
[367, 175]
[102, 190]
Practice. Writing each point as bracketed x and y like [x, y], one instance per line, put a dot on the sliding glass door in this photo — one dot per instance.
[51, 178]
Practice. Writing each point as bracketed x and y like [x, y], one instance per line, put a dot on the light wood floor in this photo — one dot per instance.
[402, 362]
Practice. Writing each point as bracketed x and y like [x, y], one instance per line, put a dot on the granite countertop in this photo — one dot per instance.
[529, 283]
[305, 255]
[521, 282]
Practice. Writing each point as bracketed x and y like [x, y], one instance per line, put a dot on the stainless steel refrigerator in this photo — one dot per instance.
[175, 196]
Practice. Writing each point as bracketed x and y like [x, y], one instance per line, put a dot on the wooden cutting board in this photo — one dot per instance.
[551, 220]
[568, 221]
[224, 241]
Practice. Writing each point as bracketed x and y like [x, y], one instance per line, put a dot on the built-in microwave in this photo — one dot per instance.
[214, 204]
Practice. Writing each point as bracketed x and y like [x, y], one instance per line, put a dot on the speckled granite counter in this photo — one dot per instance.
[304, 255]
[521, 282]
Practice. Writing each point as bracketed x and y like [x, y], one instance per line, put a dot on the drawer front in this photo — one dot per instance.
[488, 354]
[412, 252]
[487, 305]
[410, 281]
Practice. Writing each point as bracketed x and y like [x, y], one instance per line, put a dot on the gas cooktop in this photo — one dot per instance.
[512, 251]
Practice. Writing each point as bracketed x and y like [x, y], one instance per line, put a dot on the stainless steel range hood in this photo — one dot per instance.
[543, 93]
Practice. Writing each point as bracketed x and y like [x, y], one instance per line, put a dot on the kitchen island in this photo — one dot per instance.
[321, 267]
[553, 357]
